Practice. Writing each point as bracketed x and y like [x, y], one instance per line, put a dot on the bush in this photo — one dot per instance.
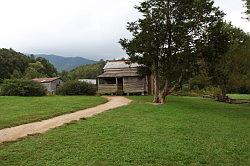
[20, 87]
[208, 91]
[76, 88]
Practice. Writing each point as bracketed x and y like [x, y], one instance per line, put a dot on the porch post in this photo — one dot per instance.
[116, 85]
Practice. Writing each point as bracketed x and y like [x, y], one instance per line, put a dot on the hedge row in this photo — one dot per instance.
[76, 88]
[21, 87]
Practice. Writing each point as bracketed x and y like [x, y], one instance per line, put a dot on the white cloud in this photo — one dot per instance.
[89, 28]
[234, 11]
[53, 26]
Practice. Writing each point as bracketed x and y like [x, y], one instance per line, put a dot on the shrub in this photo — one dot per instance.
[208, 91]
[76, 88]
[21, 87]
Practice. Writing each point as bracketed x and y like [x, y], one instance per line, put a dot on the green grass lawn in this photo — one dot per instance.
[240, 96]
[19, 110]
[186, 131]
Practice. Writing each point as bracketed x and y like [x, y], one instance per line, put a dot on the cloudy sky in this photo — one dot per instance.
[87, 28]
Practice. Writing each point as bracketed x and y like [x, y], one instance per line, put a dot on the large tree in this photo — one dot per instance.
[225, 54]
[166, 39]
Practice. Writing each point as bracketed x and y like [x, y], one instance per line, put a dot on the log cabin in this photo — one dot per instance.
[121, 77]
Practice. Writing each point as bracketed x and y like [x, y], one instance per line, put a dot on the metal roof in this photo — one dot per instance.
[45, 80]
[119, 64]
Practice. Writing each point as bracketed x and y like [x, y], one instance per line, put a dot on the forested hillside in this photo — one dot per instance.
[17, 65]
[85, 71]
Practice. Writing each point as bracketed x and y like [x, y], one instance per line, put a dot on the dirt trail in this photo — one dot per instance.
[14, 133]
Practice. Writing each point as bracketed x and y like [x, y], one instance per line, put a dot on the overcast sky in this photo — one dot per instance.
[87, 28]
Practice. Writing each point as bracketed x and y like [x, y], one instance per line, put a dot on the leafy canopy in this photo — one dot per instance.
[226, 56]
[168, 37]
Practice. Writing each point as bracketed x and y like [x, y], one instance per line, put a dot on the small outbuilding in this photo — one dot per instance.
[121, 77]
[50, 84]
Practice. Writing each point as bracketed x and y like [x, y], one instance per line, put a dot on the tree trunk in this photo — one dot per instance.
[156, 88]
[160, 96]
[223, 93]
[223, 96]
[156, 83]
[165, 92]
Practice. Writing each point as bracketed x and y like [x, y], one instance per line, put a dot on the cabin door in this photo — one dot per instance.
[120, 86]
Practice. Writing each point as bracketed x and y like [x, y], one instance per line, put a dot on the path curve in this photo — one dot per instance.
[14, 133]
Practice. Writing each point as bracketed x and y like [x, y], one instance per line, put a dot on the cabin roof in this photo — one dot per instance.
[45, 80]
[120, 64]
[119, 74]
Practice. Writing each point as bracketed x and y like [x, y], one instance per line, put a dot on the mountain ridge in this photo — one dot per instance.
[65, 63]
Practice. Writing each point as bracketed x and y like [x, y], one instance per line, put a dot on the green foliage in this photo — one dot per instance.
[226, 56]
[20, 87]
[168, 37]
[76, 88]
[87, 71]
[17, 65]
[206, 91]
[34, 70]
[239, 75]
[12, 63]
[47, 68]
[40, 67]
[64, 75]
[19, 110]
[186, 131]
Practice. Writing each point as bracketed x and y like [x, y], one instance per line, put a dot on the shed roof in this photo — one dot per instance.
[45, 80]
[119, 64]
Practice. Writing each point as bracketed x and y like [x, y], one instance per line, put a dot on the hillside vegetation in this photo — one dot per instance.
[90, 71]
[17, 65]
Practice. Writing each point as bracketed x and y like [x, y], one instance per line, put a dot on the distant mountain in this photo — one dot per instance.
[65, 63]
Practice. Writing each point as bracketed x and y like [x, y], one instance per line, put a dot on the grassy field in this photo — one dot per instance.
[240, 96]
[186, 131]
[19, 110]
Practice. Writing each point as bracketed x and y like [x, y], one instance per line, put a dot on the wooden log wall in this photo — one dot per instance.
[134, 85]
[107, 88]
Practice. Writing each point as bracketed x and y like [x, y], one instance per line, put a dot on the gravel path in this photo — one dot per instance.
[14, 133]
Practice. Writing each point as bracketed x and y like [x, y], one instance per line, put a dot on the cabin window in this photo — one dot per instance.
[107, 81]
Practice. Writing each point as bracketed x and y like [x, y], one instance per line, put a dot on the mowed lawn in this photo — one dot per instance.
[186, 131]
[240, 96]
[19, 110]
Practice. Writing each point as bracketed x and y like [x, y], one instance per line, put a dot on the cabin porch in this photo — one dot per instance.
[112, 85]
[121, 85]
